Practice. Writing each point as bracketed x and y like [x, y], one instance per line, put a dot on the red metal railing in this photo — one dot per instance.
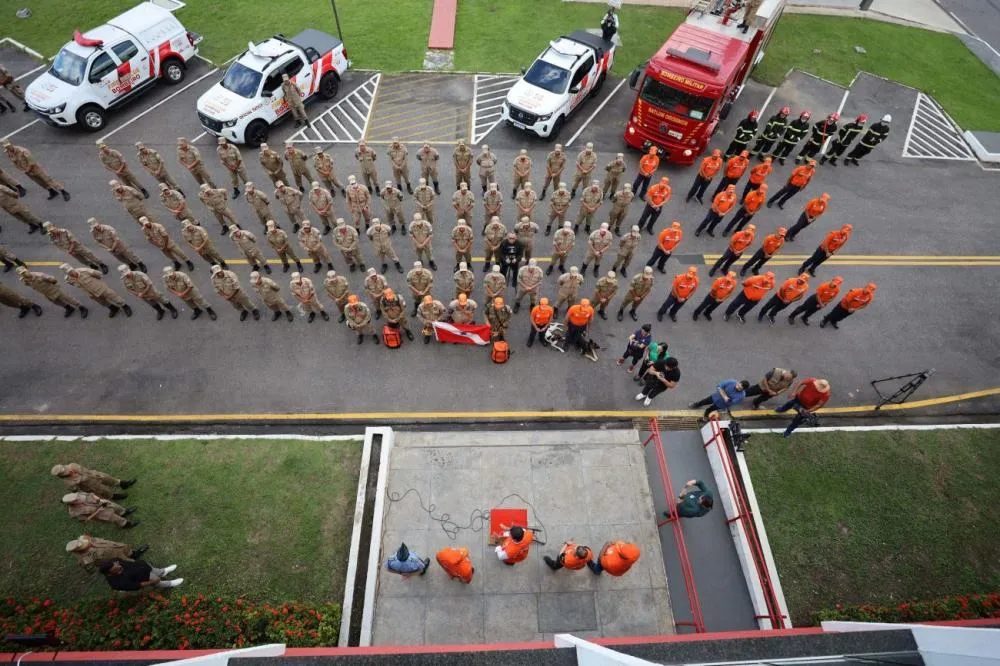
[697, 622]
[743, 515]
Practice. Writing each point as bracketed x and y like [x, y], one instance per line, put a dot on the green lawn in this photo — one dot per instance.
[267, 519]
[879, 517]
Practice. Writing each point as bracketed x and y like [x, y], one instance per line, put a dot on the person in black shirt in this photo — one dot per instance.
[511, 251]
[131, 576]
[661, 375]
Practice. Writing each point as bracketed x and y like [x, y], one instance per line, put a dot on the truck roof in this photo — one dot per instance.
[140, 18]
[144, 21]
[703, 50]
[567, 49]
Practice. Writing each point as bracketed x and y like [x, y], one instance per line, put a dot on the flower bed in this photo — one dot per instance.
[966, 607]
[171, 622]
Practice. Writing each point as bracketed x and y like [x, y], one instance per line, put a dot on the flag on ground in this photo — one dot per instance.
[465, 334]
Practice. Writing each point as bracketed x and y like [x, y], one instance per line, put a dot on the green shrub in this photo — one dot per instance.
[963, 607]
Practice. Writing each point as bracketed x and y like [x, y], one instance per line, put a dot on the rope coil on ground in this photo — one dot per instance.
[477, 517]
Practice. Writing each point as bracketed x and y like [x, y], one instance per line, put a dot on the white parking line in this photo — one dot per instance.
[488, 94]
[354, 108]
[596, 111]
[932, 135]
[161, 102]
[23, 47]
[22, 127]
[30, 72]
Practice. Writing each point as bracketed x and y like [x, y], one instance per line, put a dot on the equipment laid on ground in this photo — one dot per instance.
[914, 380]
[500, 353]
[391, 336]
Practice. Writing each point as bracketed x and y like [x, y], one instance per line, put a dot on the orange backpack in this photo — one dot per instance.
[500, 352]
[391, 336]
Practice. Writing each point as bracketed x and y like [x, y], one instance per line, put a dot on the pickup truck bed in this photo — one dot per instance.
[315, 43]
[593, 41]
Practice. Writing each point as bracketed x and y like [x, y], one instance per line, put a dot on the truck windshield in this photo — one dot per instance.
[241, 80]
[547, 77]
[674, 100]
[68, 67]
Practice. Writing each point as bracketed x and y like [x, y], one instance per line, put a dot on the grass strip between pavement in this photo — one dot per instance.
[879, 517]
[268, 519]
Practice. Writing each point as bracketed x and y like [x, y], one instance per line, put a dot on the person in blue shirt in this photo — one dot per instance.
[694, 500]
[406, 562]
[727, 395]
[637, 343]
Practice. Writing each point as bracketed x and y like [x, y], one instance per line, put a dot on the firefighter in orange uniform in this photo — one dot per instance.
[791, 290]
[541, 317]
[825, 294]
[736, 166]
[856, 299]
[721, 205]
[814, 208]
[797, 181]
[656, 197]
[617, 557]
[647, 167]
[720, 291]
[772, 243]
[572, 556]
[758, 175]
[514, 544]
[740, 241]
[666, 242]
[710, 166]
[833, 242]
[752, 201]
[684, 285]
[754, 290]
[456, 562]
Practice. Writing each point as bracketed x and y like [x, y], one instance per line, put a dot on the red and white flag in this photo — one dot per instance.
[464, 334]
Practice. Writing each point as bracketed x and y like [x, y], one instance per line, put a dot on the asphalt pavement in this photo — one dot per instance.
[904, 212]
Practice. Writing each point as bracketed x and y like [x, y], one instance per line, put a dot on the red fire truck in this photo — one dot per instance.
[692, 81]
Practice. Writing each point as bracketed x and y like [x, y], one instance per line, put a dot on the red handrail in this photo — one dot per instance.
[697, 621]
[774, 614]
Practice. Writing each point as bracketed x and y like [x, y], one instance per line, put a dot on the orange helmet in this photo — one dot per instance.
[353, 298]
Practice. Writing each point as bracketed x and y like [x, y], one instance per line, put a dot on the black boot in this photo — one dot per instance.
[267, 268]
[69, 310]
[127, 309]
[317, 267]
[409, 334]
[24, 312]
[324, 315]
[104, 268]
[145, 192]
[196, 313]
[159, 311]
[53, 193]
[285, 267]
[437, 190]
[427, 339]
[84, 312]
[256, 314]
[288, 315]
[65, 195]
[177, 265]
[236, 192]
[20, 190]
[211, 314]
[298, 264]
[312, 317]
[276, 316]
[243, 315]
[173, 310]
[399, 267]
[361, 338]
[517, 307]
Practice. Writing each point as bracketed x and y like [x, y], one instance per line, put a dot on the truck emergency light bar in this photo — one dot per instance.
[695, 57]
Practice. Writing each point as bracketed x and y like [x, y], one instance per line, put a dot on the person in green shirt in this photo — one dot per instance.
[694, 500]
[656, 351]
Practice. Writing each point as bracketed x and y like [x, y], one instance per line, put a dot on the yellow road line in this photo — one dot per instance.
[464, 416]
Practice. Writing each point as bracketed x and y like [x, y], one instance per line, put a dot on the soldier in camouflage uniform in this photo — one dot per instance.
[8, 81]
[10, 201]
[22, 159]
[422, 235]
[180, 285]
[522, 172]
[620, 201]
[424, 197]
[259, 203]
[359, 319]
[323, 164]
[529, 282]
[374, 285]
[270, 296]
[108, 238]
[464, 279]
[300, 166]
[613, 173]
[89, 550]
[153, 163]
[247, 244]
[428, 158]
[139, 285]
[562, 245]
[626, 250]
[278, 240]
[494, 284]
[638, 289]
[338, 289]
[345, 239]
[461, 240]
[48, 286]
[366, 160]
[199, 241]
[294, 99]
[526, 199]
[114, 162]
[526, 230]
[291, 199]
[462, 158]
[175, 202]
[158, 237]
[493, 235]
[91, 283]
[311, 241]
[555, 163]
[227, 285]
[605, 290]
[322, 202]
[400, 166]
[558, 207]
[67, 242]
[273, 164]
[589, 203]
[190, 159]
[462, 310]
[430, 311]
[10, 183]
[9, 259]
[597, 244]
[380, 235]
[131, 198]
[359, 202]
[216, 200]
[392, 202]
[12, 299]
[393, 306]
[487, 162]
[498, 316]
[568, 289]
[421, 282]
[586, 162]
[492, 205]
[463, 201]
[233, 161]
[88, 507]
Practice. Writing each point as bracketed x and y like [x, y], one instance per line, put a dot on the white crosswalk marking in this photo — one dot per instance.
[932, 135]
[344, 122]
[489, 92]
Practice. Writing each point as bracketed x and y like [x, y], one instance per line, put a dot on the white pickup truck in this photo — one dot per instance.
[110, 65]
[569, 71]
[248, 100]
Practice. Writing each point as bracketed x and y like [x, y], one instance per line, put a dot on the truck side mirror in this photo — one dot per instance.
[524, 70]
[266, 93]
[574, 90]
[633, 78]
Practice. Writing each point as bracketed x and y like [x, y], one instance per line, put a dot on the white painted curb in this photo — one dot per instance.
[980, 150]
[374, 551]
[352, 558]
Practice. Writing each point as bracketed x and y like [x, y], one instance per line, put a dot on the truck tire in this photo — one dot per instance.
[91, 118]
[256, 133]
[724, 112]
[329, 85]
[599, 84]
[172, 70]
[560, 121]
